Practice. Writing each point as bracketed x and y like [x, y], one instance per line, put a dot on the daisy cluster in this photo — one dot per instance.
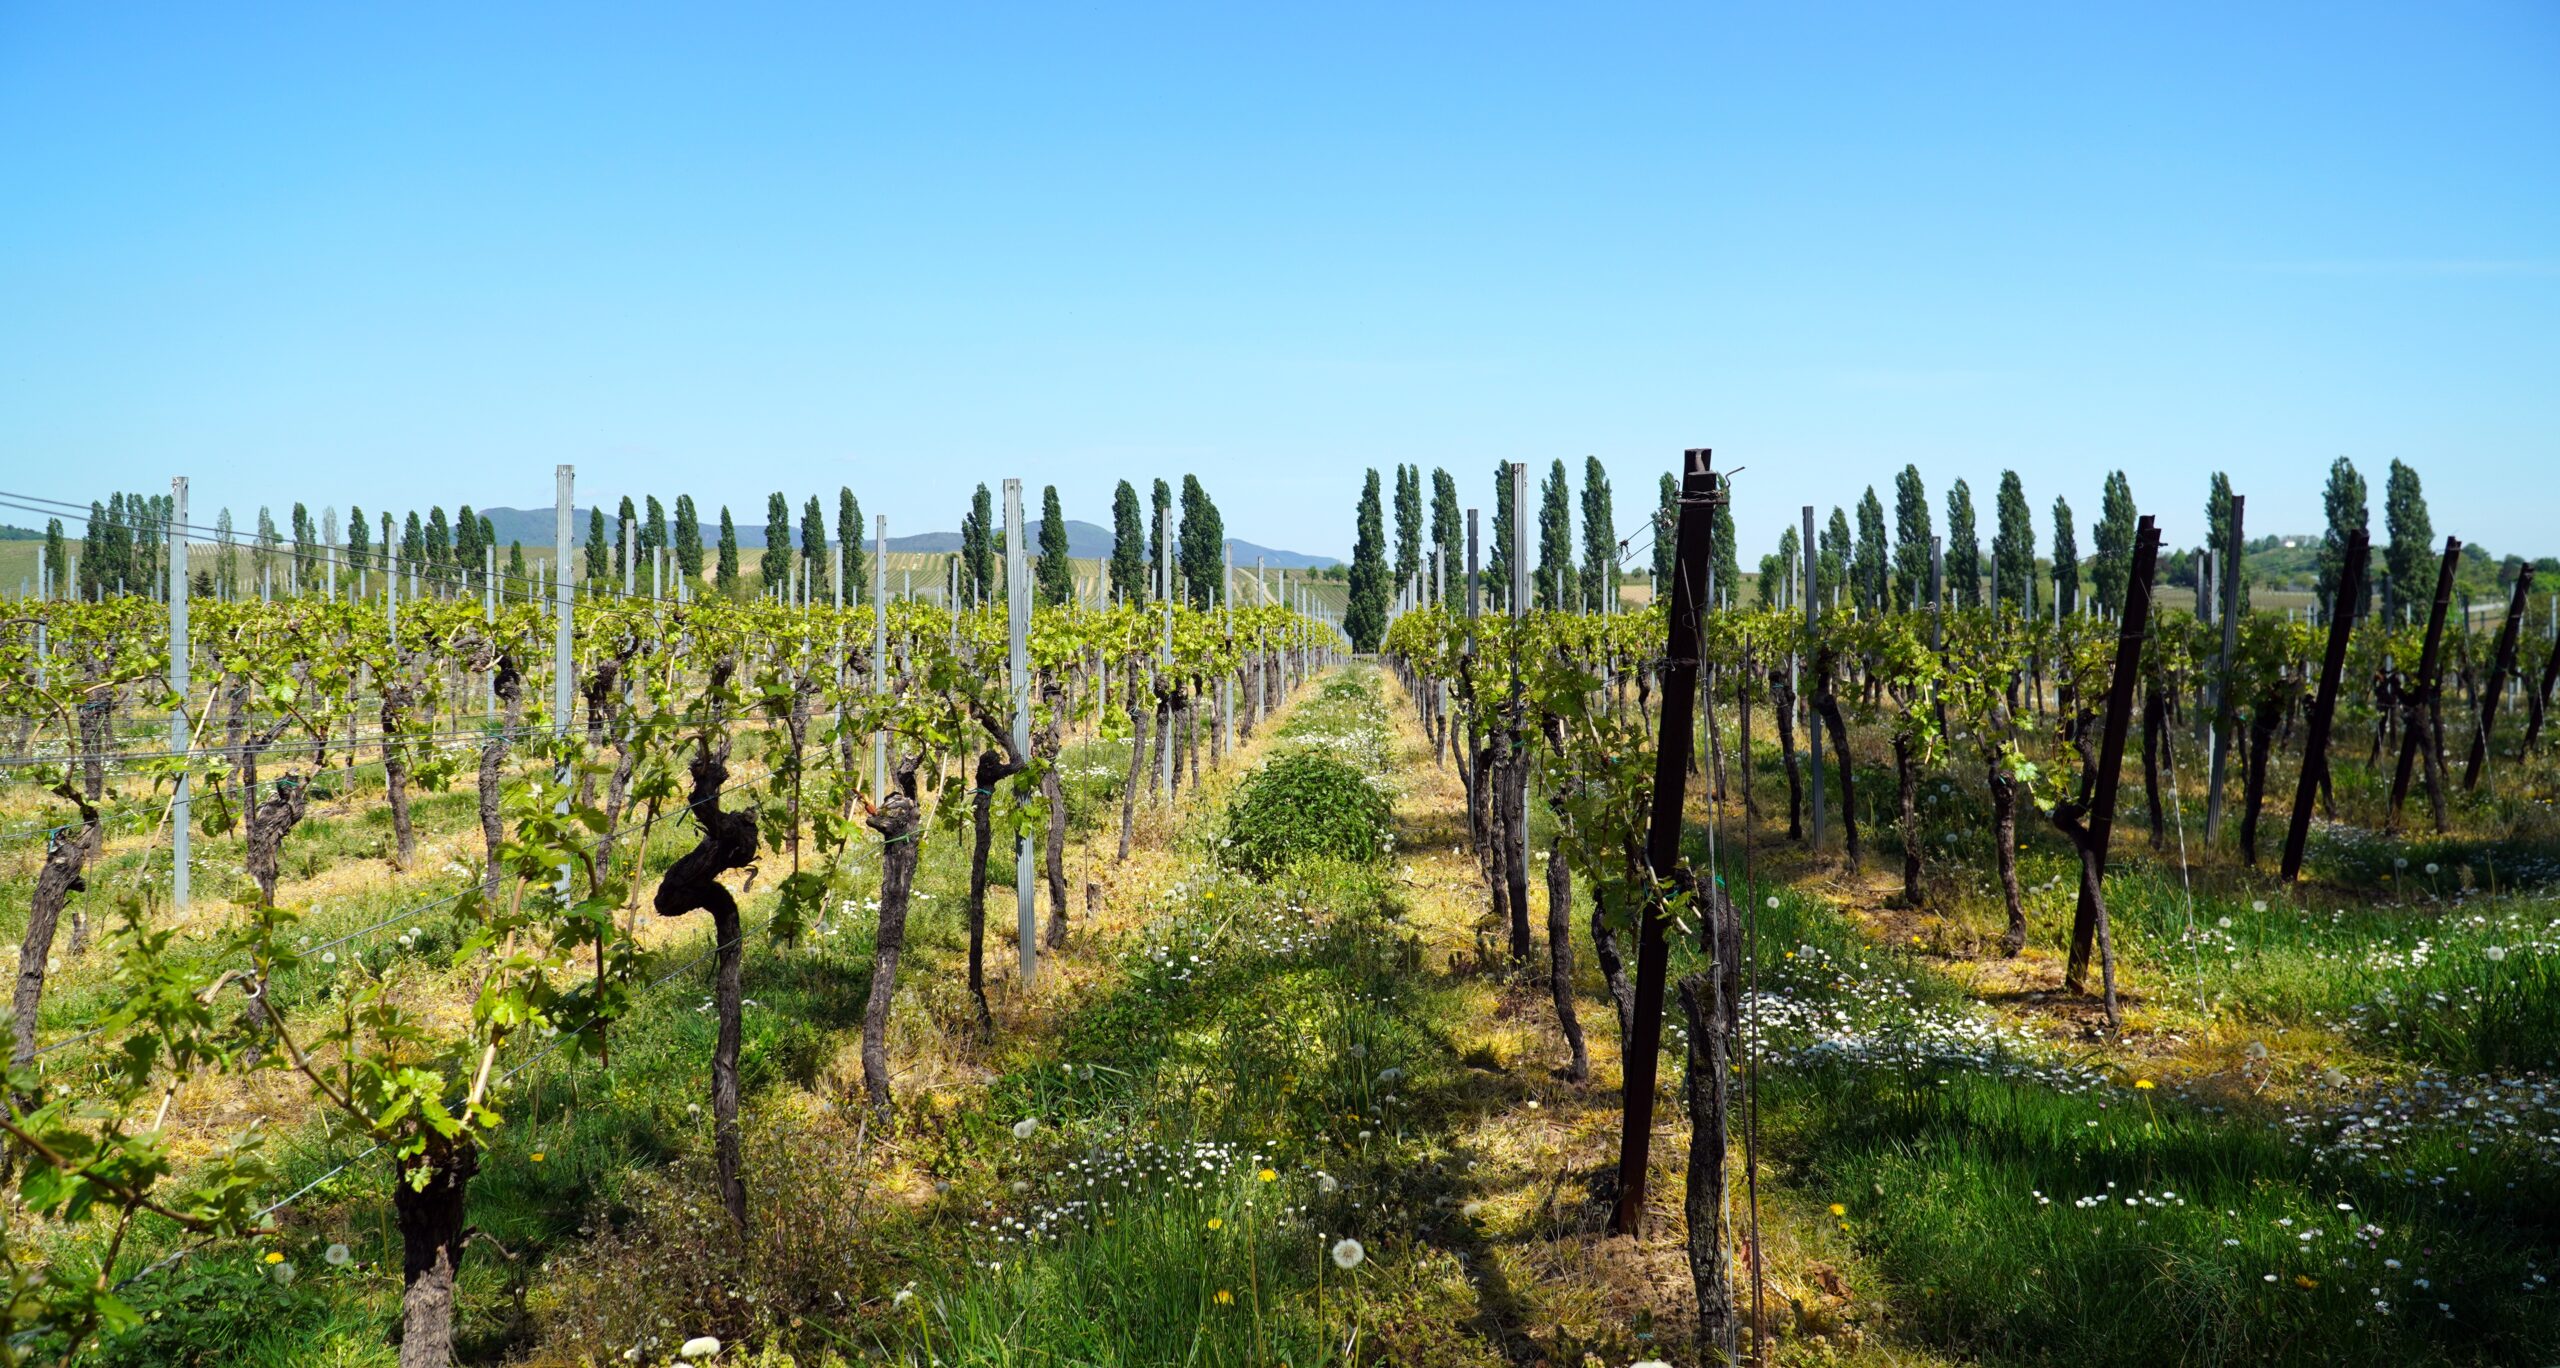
[1092, 1191]
[2517, 1116]
[1830, 1009]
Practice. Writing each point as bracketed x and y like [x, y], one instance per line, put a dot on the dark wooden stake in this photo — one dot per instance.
[2102, 804]
[2423, 691]
[2503, 665]
[2324, 704]
[1692, 552]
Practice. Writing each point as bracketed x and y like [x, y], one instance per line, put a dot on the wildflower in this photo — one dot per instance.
[905, 1295]
[1347, 1253]
[1023, 1128]
[2305, 1281]
[2144, 1084]
[536, 1156]
[1268, 1175]
[1225, 1297]
[2224, 923]
[1839, 1210]
[274, 1257]
[1773, 906]
[1216, 1221]
[336, 1256]
[2259, 905]
[2493, 953]
[2431, 867]
[700, 1346]
[1327, 1184]
[284, 1274]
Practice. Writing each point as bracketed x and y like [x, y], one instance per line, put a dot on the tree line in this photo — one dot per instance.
[125, 548]
[1860, 559]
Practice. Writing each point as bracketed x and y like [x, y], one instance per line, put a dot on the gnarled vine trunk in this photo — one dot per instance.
[693, 884]
[427, 1200]
[1710, 1091]
[1560, 959]
[1053, 792]
[899, 822]
[66, 855]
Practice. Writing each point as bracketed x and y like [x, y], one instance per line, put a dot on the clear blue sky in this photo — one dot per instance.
[401, 255]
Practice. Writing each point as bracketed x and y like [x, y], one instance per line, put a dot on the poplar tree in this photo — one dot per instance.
[1157, 506]
[599, 555]
[2115, 543]
[1365, 619]
[980, 572]
[1832, 560]
[1497, 557]
[2217, 536]
[439, 548]
[305, 543]
[813, 546]
[1868, 572]
[2066, 561]
[2344, 501]
[1911, 533]
[1599, 538]
[653, 525]
[226, 557]
[2410, 563]
[775, 566]
[467, 544]
[1727, 557]
[1057, 574]
[1408, 523]
[724, 574]
[1128, 545]
[850, 546]
[1964, 549]
[262, 546]
[2013, 547]
[1448, 530]
[1555, 581]
[1199, 551]
[1666, 519]
[688, 539]
[1778, 568]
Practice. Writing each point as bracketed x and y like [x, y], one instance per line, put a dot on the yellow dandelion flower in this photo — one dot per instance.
[1225, 1297]
[1839, 1210]
[1269, 1175]
[537, 1156]
[2305, 1281]
[2145, 1084]
[1216, 1221]
[274, 1257]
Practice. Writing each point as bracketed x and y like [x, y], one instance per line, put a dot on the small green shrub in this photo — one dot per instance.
[1306, 804]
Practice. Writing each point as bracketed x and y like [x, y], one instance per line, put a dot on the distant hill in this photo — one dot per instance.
[1085, 540]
